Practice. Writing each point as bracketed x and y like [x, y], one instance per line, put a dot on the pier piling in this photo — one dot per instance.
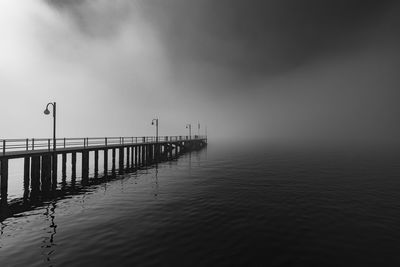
[64, 165]
[96, 164]
[45, 177]
[73, 165]
[85, 167]
[35, 175]
[105, 162]
[4, 180]
[27, 166]
[113, 161]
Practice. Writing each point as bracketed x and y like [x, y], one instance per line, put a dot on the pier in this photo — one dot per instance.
[41, 157]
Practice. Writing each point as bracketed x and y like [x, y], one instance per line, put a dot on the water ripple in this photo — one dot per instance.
[222, 207]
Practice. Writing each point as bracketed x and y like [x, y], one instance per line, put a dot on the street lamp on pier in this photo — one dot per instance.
[47, 112]
[189, 126]
[155, 122]
[198, 129]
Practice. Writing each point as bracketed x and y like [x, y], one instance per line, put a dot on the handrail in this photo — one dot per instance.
[14, 145]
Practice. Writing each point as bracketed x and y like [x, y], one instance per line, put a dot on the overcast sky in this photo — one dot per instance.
[279, 70]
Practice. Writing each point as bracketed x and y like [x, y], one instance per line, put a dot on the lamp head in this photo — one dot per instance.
[152, 122]
[47, 111]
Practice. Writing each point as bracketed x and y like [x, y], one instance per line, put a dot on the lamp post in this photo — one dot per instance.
[155, 122]
[47, 112]
[189, 126]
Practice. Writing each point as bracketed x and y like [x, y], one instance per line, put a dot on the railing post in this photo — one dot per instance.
[4, 147]
[33, 143]
[48, 142]
[105, 141]
[64, 142]
[27, 144]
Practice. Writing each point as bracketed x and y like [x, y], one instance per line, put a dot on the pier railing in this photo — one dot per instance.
[13, 145]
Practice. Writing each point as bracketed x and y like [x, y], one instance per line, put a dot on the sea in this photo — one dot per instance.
[225, 205]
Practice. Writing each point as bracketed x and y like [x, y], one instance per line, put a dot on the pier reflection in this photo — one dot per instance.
[33, 198]
[37, 192]
[48, 242]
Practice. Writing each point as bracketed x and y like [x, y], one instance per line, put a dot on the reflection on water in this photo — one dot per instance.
[37, 192]
[220, 207]
[48, 241]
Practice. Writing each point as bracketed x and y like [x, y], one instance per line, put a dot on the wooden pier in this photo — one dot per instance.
[41, 158]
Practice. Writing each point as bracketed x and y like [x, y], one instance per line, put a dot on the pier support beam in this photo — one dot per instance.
[121, 160]
[132, 159]
[64, 166]
[136, 157]
[85, 167]
[46, 173]
[4, 180]
[128, 155]
[170, 148]
[140, 163]
[113, 161]
[54, 171]
[96, 164]
[73, 173]
[63, 170]
[35, 175]
[149, 153]
[27, 166]
[105, 162]
[144, 155]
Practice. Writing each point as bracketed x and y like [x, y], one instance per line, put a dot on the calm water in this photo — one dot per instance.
[221, 207]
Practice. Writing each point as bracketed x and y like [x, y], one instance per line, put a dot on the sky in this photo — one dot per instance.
[279, 71]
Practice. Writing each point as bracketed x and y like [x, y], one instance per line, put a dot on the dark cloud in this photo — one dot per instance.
[256, 37]
[261, 37]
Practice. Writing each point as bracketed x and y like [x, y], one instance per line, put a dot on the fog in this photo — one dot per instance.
[309, 72]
